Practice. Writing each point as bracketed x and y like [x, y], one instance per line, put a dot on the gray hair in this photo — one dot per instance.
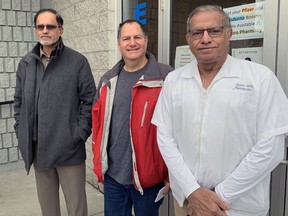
[209, 8]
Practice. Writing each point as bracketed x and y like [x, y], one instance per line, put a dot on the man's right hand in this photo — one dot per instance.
[204, 202]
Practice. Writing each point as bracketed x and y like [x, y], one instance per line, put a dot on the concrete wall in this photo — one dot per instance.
[89, 27]
[16, 39]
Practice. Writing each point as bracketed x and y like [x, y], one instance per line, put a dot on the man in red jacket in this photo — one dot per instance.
[124, 140]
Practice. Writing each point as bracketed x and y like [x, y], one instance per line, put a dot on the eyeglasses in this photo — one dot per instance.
[48, 27]
[213, 32]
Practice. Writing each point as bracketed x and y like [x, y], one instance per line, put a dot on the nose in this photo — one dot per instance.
[206, 38]
[45, 30]
[132, 41]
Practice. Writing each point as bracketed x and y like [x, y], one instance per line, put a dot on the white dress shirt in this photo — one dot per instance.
[228, 137]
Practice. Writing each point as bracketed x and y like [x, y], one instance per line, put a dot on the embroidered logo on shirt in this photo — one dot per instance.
[243, 87]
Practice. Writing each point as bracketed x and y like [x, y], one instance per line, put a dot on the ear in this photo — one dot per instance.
[61, 30]
[146, 39]
[188, 39]
[230, 33]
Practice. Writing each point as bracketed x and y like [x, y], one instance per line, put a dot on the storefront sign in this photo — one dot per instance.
[247, 21]
[183, 56]
[254, 54]
[140, 12]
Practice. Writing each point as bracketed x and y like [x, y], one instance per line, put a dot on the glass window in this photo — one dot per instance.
[246, 18]
[147, 13]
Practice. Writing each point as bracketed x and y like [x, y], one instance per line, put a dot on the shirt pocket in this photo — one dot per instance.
[243, 113]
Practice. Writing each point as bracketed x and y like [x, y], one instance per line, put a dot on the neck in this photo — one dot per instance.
[47, 50]
[132, 66]
[208, 70]
[207, 75]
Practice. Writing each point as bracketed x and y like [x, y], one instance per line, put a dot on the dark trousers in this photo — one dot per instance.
[119, 199]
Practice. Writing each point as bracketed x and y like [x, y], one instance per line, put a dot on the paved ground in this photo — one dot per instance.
[18, 196]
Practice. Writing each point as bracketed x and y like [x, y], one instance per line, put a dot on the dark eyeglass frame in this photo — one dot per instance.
[49, 27]
[212, 32]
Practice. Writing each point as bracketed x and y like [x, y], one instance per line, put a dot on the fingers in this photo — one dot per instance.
[167, 188]
[190, 212]
[166, 191]
[218, 213]
[222, 204]
[206, 202]
[221, 212]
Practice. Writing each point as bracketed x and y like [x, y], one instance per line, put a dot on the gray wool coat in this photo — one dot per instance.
[65, 100]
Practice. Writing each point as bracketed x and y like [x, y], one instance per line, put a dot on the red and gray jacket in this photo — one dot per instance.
[148, 165]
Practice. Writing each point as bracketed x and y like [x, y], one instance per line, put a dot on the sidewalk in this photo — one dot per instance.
[18, 196]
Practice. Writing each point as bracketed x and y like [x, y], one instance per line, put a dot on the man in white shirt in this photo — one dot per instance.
[221, 124]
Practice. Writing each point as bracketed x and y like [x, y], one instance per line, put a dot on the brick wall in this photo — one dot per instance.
[16, 39]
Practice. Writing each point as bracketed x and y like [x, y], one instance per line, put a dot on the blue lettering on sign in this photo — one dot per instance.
[140, 12]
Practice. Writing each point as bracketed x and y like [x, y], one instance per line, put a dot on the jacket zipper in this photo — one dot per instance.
[144, 113]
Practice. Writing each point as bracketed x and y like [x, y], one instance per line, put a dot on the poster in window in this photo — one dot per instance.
[254, 54]
[183, 56]
[247, 21]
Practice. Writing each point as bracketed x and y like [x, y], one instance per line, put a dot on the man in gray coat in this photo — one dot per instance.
[53, 99]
